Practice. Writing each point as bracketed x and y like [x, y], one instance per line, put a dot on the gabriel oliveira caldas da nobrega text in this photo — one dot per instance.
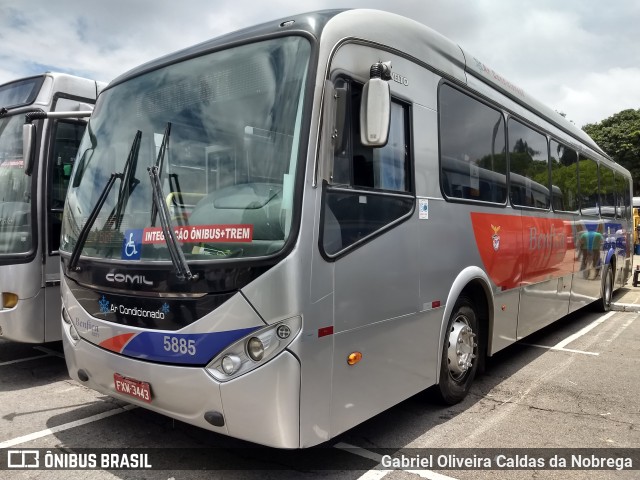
[507, 462]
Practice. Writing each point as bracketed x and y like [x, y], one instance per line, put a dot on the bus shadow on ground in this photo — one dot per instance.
[24, 366]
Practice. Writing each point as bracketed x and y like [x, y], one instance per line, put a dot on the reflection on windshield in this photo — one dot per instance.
[20, 92]
[15, 190]
[228, 170]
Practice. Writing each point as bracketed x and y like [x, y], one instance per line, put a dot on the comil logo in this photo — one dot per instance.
[133, 279]
[23, 459]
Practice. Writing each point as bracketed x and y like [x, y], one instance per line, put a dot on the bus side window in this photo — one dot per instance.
[607, 192]
[472, 148]
[67, 138]
[564, 177]
[370, 187]
[528, 166]
[588, 186]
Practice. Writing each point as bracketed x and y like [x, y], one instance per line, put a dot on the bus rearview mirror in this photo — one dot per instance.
[375, 112]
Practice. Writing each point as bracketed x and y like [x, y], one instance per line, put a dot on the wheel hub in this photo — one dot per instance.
[461, 347]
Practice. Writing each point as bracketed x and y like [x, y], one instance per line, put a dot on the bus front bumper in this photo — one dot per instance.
[261, 406]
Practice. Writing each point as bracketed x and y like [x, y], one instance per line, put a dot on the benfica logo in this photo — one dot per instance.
[496, 238]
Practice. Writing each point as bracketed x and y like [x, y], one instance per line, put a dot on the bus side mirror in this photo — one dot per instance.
[375, 107]
[28, 146]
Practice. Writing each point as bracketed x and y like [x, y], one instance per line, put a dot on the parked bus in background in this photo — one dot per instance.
[282, 232]
[32, 195]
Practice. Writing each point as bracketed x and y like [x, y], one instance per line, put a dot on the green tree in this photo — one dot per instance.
[619, 136]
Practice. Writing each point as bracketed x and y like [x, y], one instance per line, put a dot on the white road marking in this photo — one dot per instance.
[374, 474]
[560, 346]
[27, 359]
[570, 350]
[621, 329]
[65, 426]
[49, 351]
[586, 329]
[377, 473]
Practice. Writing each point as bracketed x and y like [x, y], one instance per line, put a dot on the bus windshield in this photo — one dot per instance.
[229, 126]
[21, 92]
[15, 190]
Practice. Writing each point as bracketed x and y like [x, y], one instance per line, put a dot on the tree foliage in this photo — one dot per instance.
[619, 136]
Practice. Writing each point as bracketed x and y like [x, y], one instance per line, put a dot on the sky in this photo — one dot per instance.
[580, 57]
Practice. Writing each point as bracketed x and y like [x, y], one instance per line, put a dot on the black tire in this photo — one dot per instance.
[456, 375]
[606, 289]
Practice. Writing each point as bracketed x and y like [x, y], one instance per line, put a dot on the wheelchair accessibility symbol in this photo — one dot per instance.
[132, 245]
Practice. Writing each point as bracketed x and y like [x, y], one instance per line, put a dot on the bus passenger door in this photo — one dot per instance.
[368, 232]
[65, 140]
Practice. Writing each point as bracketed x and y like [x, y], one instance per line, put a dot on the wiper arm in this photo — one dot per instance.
[84, 233]
[159, 165]
[175, 251]
[128, 184]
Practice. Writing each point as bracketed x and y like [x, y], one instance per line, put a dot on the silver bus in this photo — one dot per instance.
[32, 193]
[279, 233]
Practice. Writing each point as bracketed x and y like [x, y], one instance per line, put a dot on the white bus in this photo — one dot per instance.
[278, 234]
[32, 193]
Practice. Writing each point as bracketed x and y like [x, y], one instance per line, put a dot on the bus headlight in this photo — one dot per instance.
[254, 350]
[68, 325]
[74, 333]
[230, 364]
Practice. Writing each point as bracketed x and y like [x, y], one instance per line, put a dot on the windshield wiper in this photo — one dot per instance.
[128, 184]
[159, 165]
[84, 233]
[161, 209]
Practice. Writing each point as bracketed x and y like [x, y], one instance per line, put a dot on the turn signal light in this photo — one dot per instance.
[9, 300]
[354, 358]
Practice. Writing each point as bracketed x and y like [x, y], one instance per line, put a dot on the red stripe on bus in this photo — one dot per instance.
[117, 343]
[517, 250]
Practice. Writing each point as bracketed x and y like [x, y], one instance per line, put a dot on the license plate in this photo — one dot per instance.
[132, 387]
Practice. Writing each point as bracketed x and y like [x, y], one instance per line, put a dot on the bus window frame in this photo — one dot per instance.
[544, 134]
[48, 177]
[490, 104]
[30, 255]
[588, 156]
[574, 150]
[327, 188]
[39, 81]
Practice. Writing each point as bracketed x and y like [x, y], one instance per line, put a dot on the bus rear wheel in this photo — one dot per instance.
[459, 361]
[604, 304]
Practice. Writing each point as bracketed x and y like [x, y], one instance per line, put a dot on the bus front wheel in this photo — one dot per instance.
[459, 361]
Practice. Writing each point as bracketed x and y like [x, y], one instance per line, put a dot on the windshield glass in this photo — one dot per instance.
[227, 172]
[15, 190]
[21, 92]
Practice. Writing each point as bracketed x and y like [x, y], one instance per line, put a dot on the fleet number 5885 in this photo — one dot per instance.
[179, 345]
